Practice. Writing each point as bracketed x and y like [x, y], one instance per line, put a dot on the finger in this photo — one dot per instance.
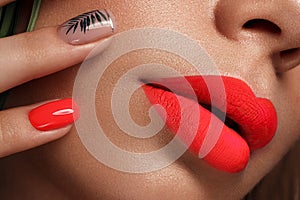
[32, 55]
[4, 2]
[30, 126]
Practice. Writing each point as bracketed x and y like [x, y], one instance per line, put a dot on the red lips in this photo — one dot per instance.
[256, 117]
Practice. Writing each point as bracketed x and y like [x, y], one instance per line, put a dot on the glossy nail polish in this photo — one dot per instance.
[87, 27]
[54, 115]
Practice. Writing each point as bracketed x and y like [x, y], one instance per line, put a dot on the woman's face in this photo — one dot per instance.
[240, 46]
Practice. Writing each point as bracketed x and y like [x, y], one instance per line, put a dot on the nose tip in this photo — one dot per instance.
[275, 25]
[235, 18]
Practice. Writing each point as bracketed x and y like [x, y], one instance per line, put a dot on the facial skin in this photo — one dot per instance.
[66, 170]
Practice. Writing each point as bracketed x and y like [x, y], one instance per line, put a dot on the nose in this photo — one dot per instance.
[273, 25]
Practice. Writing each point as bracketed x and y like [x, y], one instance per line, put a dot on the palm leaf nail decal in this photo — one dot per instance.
[86, 20]
[88, 27]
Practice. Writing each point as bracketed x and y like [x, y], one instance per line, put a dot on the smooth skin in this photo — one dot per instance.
[65, 170]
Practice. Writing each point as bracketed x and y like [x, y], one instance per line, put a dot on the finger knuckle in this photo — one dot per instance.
[7, 132]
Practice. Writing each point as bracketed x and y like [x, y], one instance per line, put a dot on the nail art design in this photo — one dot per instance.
[54, 115]
[88, 27]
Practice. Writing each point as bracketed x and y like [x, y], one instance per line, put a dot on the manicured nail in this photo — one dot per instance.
[54, 115]
[88, 27]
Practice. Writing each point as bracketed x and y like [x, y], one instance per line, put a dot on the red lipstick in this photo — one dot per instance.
[250, 124]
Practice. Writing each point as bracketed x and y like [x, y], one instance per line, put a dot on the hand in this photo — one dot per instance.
[28, 56]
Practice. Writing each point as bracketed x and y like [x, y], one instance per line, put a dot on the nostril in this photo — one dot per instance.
[262, 25]
[287, 59]
[290, 53]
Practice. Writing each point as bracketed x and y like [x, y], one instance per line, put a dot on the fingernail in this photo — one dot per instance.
[54, 115]
[88, 27]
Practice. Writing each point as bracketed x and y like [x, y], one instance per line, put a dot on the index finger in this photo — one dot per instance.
[32, 55]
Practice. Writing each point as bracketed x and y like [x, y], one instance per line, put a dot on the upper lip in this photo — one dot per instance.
[256, 117]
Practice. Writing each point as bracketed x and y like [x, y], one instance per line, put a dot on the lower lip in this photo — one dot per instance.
[231, 152]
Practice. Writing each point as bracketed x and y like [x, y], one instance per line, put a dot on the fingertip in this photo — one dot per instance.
[54, 115]
[18, 134]
[87, 27]
[43, 137]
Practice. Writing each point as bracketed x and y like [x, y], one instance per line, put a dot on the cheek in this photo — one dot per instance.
[290, 98]
[178, 15]
[138, 105]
